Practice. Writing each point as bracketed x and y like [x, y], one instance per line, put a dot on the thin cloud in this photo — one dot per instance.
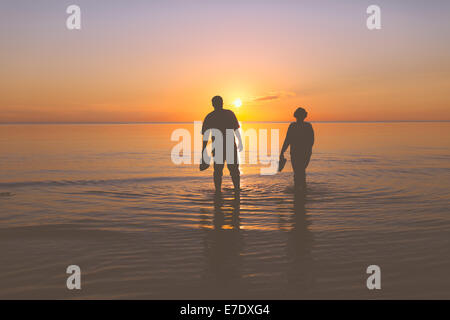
[274, 96]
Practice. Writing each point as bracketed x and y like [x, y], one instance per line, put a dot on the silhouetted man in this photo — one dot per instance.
[300, 136]
[217, 122]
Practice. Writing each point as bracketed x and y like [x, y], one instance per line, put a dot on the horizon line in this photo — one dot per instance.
[185, 122]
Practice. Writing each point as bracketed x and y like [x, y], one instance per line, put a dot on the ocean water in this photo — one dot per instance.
[108, 198]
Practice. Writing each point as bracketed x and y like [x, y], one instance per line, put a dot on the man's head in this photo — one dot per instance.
[300, 114]
[217, 102]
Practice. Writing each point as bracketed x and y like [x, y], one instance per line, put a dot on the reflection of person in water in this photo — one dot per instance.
[300, 137]
[223, 247]
[300, 241]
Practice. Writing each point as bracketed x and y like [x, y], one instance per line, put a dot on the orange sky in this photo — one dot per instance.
[164, 60]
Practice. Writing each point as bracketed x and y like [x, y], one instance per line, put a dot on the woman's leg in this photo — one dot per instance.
[299, 167]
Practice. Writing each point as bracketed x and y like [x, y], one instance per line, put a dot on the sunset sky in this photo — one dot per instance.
[155, 60]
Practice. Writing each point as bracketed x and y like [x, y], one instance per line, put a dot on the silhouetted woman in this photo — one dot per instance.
[300, 136]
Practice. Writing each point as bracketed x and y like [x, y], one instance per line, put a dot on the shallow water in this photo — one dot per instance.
[109, 199]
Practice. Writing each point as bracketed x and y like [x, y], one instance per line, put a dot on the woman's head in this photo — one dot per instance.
[300, 114]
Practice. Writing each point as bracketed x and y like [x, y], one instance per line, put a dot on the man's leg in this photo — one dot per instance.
[218, 173]
[235, 175]
[233, 167]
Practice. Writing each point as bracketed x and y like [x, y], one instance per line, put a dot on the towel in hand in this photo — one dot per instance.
[281, 163]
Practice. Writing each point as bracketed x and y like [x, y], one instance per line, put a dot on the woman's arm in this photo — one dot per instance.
[312, 135]
[287, 142]
[311, 143]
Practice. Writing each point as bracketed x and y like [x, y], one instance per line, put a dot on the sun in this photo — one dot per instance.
[237, 103]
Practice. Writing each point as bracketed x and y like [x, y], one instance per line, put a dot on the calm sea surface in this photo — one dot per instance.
[109, 199]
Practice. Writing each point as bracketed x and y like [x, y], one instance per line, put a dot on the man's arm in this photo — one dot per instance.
[204, 159]
[237, 132]
[204, 162]
[205, 143]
